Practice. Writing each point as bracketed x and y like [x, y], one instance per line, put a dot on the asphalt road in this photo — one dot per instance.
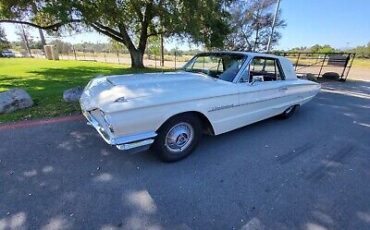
[309, 172]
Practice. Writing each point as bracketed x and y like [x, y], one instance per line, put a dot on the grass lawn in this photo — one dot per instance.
[361, 62]
[46, 80]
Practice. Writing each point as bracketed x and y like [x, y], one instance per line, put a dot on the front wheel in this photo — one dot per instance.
[178, 137]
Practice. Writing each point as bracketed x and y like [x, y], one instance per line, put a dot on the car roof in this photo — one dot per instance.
[286, 63]
[250, 54]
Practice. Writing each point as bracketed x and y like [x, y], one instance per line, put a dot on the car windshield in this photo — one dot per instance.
[224, 66]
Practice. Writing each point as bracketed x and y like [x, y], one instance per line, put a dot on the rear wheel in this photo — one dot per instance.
[178, 137]
[289, 112]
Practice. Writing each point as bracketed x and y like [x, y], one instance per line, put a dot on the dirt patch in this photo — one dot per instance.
[359, 73]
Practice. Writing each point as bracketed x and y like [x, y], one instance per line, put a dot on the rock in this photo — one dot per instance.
[331, 76]
[72, 94]
[14, 99]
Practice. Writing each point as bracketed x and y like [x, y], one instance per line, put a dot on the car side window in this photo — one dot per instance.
[265, 69]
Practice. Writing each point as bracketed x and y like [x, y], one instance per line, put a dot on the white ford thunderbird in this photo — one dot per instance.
[215, 92]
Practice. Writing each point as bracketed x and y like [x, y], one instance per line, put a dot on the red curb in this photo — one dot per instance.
[28, 124]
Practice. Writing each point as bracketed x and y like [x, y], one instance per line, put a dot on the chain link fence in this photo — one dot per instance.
[171, 61]
[337, 65]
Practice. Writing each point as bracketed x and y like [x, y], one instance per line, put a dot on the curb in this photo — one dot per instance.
[32, 123]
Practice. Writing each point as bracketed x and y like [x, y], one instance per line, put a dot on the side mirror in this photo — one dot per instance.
[257, 78]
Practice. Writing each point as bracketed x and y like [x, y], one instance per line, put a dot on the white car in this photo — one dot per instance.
[215, 92]
[7, 53]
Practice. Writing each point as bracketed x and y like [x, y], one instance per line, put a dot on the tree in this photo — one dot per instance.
[130, 22]
[154, 46]
[251, 25]
[362, 51]
[4, 43]
[117, 46]
[299, 49]
[61, 46]
[321, 49]
[25, 39]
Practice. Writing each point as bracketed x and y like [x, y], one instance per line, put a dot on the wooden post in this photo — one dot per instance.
[118, 56]
[296, 64]
[74, 52]
[175, 58]
[162, 51]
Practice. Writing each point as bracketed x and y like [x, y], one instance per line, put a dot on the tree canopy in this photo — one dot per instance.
[315, 49]
[251, 25]
[362, 51]
[4, 43]
[130, 22]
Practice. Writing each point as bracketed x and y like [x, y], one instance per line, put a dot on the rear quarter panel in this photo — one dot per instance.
[300, 91]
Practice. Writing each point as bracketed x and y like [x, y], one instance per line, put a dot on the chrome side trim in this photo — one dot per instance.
[133, 138]
[135, 144]
[221, 107]
[251, 102]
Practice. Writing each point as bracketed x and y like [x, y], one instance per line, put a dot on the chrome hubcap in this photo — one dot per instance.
[179, 137]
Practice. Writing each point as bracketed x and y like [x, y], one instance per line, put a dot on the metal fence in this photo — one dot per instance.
[335, 65]
[331, 65]
[174, 61]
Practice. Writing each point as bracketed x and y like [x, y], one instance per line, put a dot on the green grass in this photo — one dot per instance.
[46, 80]
[361, 62]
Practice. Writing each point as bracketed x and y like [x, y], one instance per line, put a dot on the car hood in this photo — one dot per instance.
[129, 91]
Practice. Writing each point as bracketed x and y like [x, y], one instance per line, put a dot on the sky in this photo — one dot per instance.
[339, 23]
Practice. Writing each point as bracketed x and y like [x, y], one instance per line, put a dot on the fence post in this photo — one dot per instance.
[345, 66]
[162, 51]
[74, 52]
[175, 58]
[296, 63]
[322, 65]
[350, 65]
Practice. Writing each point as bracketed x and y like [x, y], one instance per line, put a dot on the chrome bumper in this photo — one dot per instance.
[140, 141]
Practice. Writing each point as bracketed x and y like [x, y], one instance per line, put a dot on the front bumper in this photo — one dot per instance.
[140, 140]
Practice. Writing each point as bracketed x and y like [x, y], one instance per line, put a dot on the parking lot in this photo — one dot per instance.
[308, 172]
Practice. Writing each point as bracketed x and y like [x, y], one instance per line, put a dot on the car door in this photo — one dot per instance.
[261, 93]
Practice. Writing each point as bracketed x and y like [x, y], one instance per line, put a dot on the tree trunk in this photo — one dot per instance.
[25, 40]
[42, 38]
[256, 40]
[136, 58]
